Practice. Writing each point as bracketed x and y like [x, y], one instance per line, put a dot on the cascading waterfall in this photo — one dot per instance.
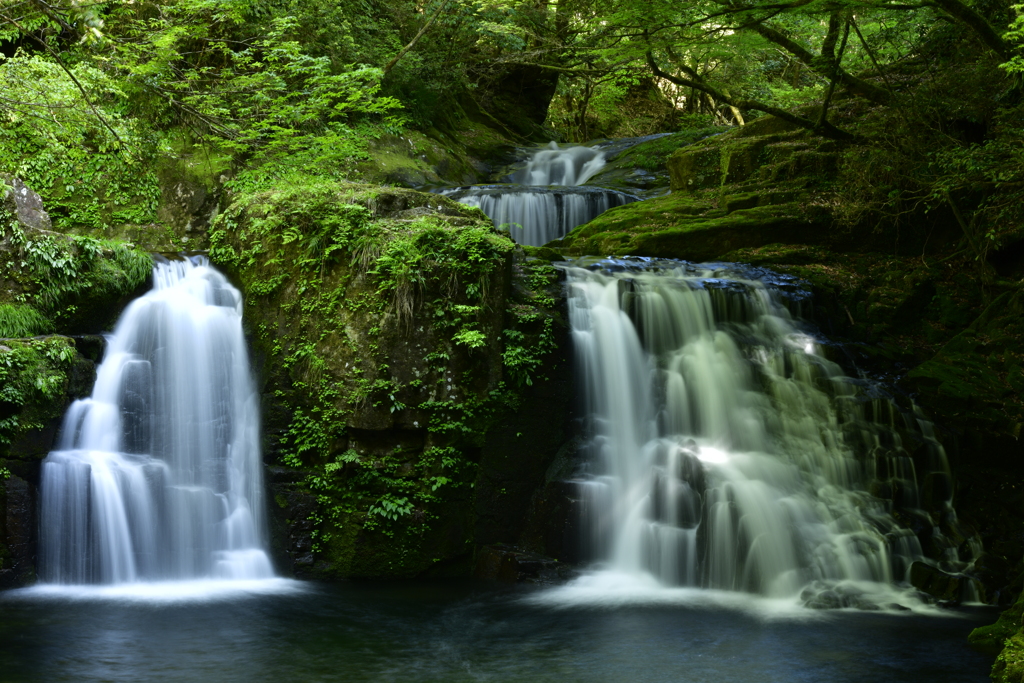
[538, 212]
[726, 452]
[538, 215]
[157, 476]
[557, 166]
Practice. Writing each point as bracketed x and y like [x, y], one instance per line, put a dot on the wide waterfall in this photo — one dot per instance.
[157, 476]
[725, 451]
[548, 198]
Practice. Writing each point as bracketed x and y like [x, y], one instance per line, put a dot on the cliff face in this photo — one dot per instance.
[415, 390]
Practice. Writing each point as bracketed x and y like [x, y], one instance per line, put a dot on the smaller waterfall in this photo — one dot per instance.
[726, 452]
[547, 198]
[556, 166]
[539, 215]
[157, 476]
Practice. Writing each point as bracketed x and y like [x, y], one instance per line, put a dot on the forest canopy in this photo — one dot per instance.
[95, 94]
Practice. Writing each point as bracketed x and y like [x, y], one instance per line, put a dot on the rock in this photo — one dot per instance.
[942, 585]
[18, 540]
[512, 565]
[409, 377]
[24, 203]
[824, 600]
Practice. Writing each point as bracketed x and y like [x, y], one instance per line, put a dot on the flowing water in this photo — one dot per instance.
[158, 475]
[736, 475]
[727, 452]
[547, 197]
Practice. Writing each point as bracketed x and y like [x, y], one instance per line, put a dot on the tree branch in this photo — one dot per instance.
[66, 70]
[697, 83]
[440, 8]
[977, 23]
[857, 86]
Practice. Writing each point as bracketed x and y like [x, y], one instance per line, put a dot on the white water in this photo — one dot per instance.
[556, 166]
[537, 213]
[157, 476]
[727, 453]
[538, 216]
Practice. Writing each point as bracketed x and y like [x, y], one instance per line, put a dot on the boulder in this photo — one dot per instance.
[23, 204]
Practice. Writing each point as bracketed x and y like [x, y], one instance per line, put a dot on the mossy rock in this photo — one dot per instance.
[393, 329]
[642, 169]
[415, 158]
[694, 228]
[52, 282]
[1009, 664]
[37, 376]
[990, 639]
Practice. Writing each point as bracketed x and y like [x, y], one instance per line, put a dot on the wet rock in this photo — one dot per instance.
[18, 540]
[824, 600]
[509, 564]
[940, 584]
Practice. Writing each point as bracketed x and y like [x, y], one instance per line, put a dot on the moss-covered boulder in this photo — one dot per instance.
[679, 226]
[752, 186]
[416, 158]
[410, 394]
[640, 166]
[992, 638]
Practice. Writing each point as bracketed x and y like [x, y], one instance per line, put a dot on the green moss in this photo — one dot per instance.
[388, 352]
[680, 225]
[1009, 664]
[34, 377]
[415, 158]
[991, 638]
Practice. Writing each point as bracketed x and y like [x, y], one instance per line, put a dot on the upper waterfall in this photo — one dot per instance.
[546, 199]
[557, 166]
[725, 451]
[158, 475]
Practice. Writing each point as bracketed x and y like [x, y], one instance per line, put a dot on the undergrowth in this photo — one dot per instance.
[52, 280]
[33, 381]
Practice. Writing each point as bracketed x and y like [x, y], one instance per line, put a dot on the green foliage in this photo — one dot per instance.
[52, 280]
[1016, 35]
[52, 139]
[33, 380]
[21, 320]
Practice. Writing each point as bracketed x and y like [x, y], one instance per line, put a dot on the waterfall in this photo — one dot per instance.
[157, 476]
[539, 215]
[557, 166]
[546, 199]
[726, 452]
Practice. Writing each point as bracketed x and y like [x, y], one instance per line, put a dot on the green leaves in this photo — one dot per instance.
[50, 137]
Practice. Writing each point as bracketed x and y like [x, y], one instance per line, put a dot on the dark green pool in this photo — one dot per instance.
[463, 631]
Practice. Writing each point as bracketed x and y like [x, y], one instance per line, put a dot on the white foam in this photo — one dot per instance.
[616, 590]
[163, 592]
